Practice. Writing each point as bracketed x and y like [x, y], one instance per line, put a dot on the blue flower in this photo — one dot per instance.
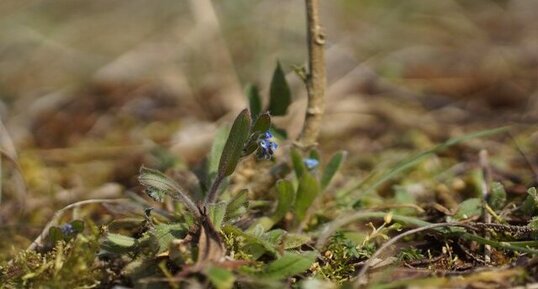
[311, 163]
[67, 229]
[266, 146]
[267, 135]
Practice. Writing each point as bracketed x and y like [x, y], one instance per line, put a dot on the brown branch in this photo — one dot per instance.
[315, 78]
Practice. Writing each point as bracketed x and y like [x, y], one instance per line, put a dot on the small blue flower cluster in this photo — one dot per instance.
[266, 146]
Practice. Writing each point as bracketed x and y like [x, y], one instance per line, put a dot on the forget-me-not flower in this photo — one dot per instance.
[311, 163]
[67, 229]
[266, 146]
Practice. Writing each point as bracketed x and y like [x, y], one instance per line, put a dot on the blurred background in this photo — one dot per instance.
[90, 90]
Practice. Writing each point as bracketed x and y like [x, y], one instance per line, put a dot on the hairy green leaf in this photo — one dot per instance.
[274, 237]
[297, 162]
[166, 233]
[234, 144]
[261, 225]
[254, 100]
[530, 205]
[121, 240]
[262, 124]
[497, 196]
[216, 149]
[292, 240]
[468, 209]
[280, 93]
[119, 244]
[286, 198]
[307, 192]
[289, 264]
[158, 185]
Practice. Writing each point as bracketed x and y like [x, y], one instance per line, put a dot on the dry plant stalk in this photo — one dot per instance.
[315, 78]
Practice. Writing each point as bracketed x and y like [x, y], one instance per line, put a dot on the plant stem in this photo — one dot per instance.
[58, 215]
[315, 78]
[182, 197]
[212, 194]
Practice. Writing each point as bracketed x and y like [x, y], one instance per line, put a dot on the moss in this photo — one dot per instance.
[71, 264]
[340, 257]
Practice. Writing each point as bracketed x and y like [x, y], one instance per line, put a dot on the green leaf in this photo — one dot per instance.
[254, 100]
[274, 237]
[261, 225]
[262, 124]
[158, 185]
[468, 209]
[216, 149]
[332, 167]
[78, 226]
[289, 264]
[234, 145]
[166, 233]
[237, 206]
[129, 223]
[530, 205]
[280, 94]
[216, 212]
[292, 240]
[286, 198]
[220, 277]
[55, 235]
[307, 192]
[253, 245]
[119, 244]
[121, 240]
[497, 196]
[297, 162]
